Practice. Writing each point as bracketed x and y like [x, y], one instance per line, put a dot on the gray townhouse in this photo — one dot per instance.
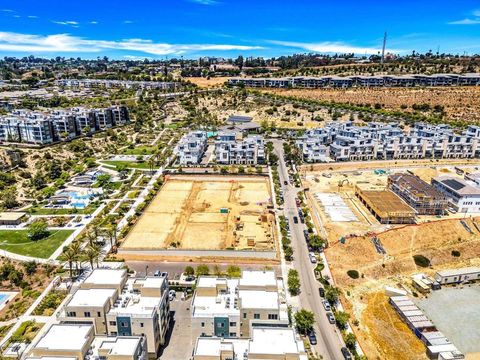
[377, 141]
[247, 151]
[191, 148]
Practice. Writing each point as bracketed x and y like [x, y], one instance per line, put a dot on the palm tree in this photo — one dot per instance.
[93, 254]
[111, 232]
[71, 257]
[76, 248]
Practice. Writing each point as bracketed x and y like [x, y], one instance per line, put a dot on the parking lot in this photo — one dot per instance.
[456, 312]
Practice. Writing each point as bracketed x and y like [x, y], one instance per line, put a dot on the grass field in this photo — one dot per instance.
[140, 150]
[128, 164]
[16, 241]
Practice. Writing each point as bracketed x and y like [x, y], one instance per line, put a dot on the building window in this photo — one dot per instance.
[256, 316]
[202, 324]
[272, 316]
[113, 333]
[71, 314]
[123, 324]
[87, 313]
[244, 315]
[233, 323]
[99, 314]
[233, 334]
[141, 324]
[113, 323]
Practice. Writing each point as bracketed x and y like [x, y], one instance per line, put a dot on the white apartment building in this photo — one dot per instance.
[78, 342]
[378, 141]
[463, 197]
[247, 151]
[265, 343]
[120, 306]
[231, 308]
[191, 147]
[44, 128]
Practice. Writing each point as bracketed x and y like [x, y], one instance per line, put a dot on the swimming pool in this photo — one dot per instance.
[3, 298]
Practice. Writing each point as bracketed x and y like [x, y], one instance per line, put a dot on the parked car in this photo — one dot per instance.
[295, 220]
[306, 234]
[346, 354]
[326, 305]
[312, 337]
[285, 183]
[313, 258]
[331, 318]
[159, 273]
[321, 291]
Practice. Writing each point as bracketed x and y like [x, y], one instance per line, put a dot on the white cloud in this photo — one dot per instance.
[205, 2]
[67, 23]
[32, 16]
[128, 22]
[466, 22]
[62, 43]
[330, 47]
[8, 10]
[94, 22]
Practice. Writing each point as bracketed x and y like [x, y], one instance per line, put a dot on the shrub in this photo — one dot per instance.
[421, 260]
[293, 282]
[353, 274]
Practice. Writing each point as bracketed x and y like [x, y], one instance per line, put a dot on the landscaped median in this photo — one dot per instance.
[18, 242]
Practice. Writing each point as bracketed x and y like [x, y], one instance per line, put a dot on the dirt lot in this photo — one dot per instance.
[207, 83]
[460, 103]
[380, 331]
[186, 214]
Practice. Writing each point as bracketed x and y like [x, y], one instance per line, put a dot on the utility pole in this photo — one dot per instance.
[383, 47]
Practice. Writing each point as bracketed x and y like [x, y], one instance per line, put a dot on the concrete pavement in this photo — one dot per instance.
[328, 336]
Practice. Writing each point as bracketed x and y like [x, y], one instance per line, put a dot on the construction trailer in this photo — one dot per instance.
[421, 196]
[457, 276]
[386, 206]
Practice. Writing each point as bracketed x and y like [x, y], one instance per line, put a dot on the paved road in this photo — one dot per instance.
[328, 336]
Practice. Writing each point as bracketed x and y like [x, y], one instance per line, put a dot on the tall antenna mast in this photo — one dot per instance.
[383, 47]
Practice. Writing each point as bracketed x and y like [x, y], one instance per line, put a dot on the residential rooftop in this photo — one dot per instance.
[91, 297]
[65, 337]
[106, 277]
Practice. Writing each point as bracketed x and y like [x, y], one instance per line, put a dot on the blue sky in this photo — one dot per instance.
[192, 28]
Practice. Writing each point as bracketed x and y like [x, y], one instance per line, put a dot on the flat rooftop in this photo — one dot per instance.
[258, 278]
[209, 306]
[461, 271]
[457, 185]
[121, 346]
[136, 304]
[106, 277]
[65, 337]
[275, 341]
[208, 346]
[386, 203]
[257, 299]
[91, 297]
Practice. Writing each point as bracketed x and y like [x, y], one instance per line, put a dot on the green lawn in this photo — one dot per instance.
[17, 241]
[129, 164]
[140, 150]
[40, 210]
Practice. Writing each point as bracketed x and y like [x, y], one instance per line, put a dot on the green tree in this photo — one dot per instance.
[30, 267]
[189, 271]
[304, 321]
[341, 317]
[37, 230]
[316, 242]
[9, 197]
[332, 294]
[202, 270]
[234, 271]
[350, 341]
[293, 282]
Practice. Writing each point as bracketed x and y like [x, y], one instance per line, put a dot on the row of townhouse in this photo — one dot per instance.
[245, 318]
[127, 84]
[117, 305]
[344, 141]
[44, 128]
[191, 148]
[471, 79]
[232, 151]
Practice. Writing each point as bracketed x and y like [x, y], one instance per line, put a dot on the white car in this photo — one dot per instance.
[313, 258]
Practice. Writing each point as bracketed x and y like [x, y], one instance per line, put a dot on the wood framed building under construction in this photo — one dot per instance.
[423, 197]
[386, 206]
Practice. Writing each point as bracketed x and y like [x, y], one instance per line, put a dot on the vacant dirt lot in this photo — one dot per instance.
[207, 83]
[207, 213]
[460, 103]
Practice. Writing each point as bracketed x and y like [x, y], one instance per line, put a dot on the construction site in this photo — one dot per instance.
[207, 213]
[384, 253]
